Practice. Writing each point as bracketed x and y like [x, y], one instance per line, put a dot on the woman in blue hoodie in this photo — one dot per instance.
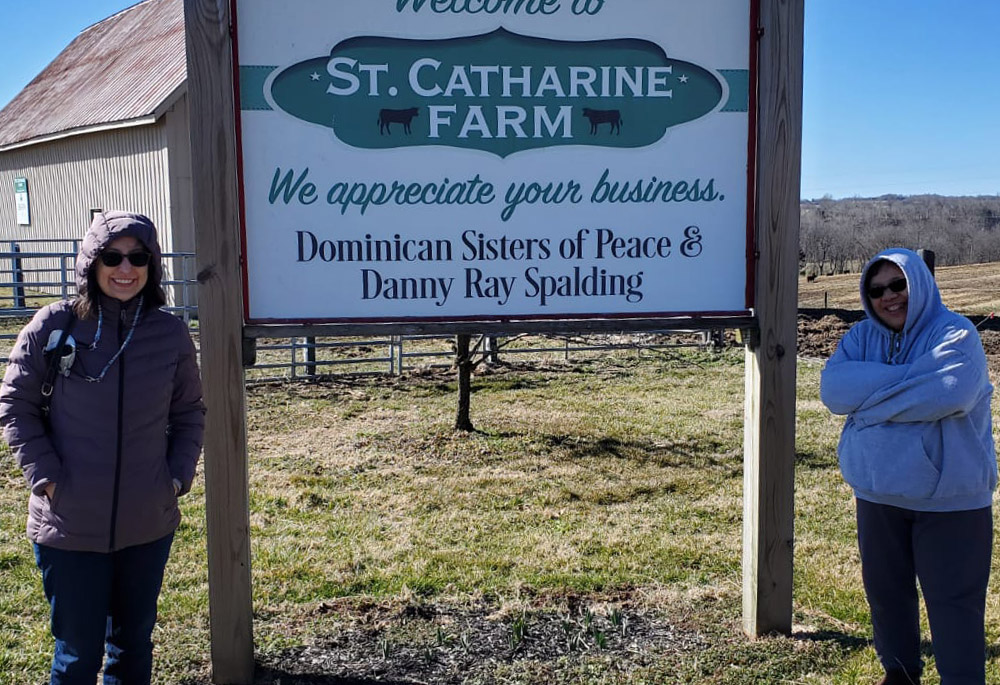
[917, 448]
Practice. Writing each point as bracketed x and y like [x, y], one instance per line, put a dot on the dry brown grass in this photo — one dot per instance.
[612, 482]
[971, 289]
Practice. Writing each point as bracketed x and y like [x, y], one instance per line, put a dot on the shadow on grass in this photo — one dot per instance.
[810, 459]
[851, 643]
[702, 453]
[854, 643]
[506, 383]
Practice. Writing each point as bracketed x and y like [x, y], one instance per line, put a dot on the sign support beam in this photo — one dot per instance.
[769, 416]
[769, 436]
[220, 313]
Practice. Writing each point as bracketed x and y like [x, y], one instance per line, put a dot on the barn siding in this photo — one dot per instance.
[118, 169]
[130, 168]
[178, 134]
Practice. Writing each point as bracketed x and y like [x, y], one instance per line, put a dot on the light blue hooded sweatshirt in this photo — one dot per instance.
[918, 433]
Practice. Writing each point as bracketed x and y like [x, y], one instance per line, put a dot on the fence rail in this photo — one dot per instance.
[36, 272]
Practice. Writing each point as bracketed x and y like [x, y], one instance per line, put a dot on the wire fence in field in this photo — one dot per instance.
[34, 273]
[307, 357]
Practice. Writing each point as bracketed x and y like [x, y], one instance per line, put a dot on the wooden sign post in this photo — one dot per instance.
[220, 322]
[769, 417]
[226, 319]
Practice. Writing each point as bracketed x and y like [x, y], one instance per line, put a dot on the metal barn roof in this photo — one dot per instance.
[125, 70]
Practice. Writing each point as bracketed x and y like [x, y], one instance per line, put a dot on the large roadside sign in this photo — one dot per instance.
[444, 160]
[488, 166]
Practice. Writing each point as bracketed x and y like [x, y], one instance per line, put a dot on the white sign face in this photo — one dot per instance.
[21, 201]
[489, 159]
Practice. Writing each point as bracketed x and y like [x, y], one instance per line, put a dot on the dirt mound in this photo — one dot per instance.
[819, 331]
[991, 342]
[818, 337]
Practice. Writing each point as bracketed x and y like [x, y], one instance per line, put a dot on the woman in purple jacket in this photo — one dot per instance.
[108, 458]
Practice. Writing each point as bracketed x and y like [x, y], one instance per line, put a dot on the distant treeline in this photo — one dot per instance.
[840, 235]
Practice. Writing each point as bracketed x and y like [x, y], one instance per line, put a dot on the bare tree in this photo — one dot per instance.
[840, 235]
[463, 360]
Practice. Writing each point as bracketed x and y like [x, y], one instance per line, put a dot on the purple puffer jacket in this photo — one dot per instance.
[116, 445]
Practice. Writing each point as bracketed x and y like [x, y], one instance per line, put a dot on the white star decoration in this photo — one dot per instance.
[314, 76]
[683, 79]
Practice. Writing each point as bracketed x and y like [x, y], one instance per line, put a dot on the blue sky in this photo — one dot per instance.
[900, 96]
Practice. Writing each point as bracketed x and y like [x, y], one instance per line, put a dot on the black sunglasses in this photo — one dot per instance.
[896, 286]
[112, 258]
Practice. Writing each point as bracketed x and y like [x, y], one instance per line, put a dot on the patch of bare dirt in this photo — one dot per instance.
[416, 642]
[819, 331]
[991, 344]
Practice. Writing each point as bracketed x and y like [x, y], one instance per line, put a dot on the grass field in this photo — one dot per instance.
[972, 289]
[592, 489]
[588, 532]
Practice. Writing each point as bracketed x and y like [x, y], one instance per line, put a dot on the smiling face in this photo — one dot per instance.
[122, 282]
[891, 306]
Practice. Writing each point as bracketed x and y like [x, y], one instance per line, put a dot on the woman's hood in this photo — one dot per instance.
[106, 227]
[924, 298]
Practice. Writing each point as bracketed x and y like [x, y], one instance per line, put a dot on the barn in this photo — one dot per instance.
[103, 126]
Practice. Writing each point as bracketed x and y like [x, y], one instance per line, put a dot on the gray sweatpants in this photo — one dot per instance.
[949, 553]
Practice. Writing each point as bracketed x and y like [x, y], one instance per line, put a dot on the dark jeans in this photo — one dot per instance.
[103, 603]
[949, 552]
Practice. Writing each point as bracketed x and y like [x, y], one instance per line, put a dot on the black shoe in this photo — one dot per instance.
[900, 677]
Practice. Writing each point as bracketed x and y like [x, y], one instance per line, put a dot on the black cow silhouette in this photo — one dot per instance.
[611, 117]
[387, 117]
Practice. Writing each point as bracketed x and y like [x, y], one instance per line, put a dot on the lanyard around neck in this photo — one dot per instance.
[97, 339]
